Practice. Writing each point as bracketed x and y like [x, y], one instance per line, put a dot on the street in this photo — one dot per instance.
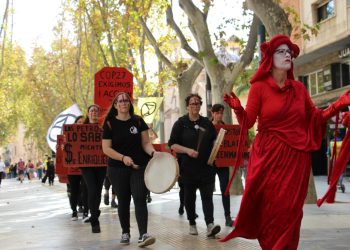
[38, 216]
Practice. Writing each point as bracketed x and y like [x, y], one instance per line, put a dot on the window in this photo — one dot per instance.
[312, 84]
[327, 78]
[320, 82]
[305, 81]
[315, 82]
[325, 11]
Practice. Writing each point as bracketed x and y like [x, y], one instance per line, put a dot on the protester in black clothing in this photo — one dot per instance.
[74, 186]
[192, 138]
[14, 170]
[94, 177]
[126, 143]
[50, 172]
[107, 184]
[223, 172]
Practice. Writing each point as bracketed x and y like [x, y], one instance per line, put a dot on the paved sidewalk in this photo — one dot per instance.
[37, 216]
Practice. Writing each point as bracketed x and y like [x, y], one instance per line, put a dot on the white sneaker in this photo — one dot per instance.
[125, 238]
[212, 230]
[146, 240]
[74, 216]
[193, 230]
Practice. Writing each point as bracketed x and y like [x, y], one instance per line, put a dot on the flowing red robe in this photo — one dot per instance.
[290, 127]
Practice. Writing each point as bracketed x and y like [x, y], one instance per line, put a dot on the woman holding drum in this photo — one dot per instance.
[192, 138]
[127, 145]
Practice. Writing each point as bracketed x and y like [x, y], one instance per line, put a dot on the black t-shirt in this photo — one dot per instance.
[50, 166]
[126, 140]
[187, 133]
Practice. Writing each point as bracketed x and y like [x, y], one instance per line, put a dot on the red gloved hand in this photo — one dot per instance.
[343, 101]
[233, 101]
[346, 119]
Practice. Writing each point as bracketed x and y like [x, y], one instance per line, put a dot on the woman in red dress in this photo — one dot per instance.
[290, 127]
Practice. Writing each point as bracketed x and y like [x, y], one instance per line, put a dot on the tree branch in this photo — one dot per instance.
[247, 55]
[184, 43]
[155, 46]
[97, 38]
[272, 16]
[4, 17]
[194, 70]
[200, 28]
[107, 29]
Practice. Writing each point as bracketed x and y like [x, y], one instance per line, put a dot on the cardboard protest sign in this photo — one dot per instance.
[59, 169]
[62, 178]
[73, 171]
[83, 146]
[109, 81]
[226, 155]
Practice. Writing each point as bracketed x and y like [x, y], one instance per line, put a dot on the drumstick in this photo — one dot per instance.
[135, 166]
[201, 133]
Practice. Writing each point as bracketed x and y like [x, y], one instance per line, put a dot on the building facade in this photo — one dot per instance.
[324, 62]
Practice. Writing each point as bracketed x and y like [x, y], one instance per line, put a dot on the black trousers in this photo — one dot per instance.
[83, 199]
[181, 192]
[224, 175]
[51, 175]
[206, 192]
[128, 182]
[76, 182]
[107, 184]
[94, 177]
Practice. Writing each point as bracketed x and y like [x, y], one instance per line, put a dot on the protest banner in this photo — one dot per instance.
[226, 155]
[148, 107]
[67, 116]
[59, 169]
[83, 146]
[109, 81]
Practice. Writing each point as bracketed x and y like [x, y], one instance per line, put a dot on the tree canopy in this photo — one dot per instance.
[162, 42]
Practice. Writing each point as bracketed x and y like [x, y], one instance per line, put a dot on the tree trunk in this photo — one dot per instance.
[185, 82]
[272, 16]
[237, 185]
[311, 197]
[184, 90]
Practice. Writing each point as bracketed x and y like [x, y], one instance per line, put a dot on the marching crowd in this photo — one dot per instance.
[22, 170]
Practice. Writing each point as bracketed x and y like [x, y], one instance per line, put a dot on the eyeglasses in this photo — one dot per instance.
[93, 110]
[195, 104]
[284, 52]
[122, 101]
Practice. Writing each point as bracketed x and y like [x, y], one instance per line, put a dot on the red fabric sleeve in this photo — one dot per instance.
[253, 105]
[317, 125]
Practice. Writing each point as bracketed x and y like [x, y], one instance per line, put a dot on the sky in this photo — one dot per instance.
[33, 20]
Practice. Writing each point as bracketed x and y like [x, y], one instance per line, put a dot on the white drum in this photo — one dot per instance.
[161, 173]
